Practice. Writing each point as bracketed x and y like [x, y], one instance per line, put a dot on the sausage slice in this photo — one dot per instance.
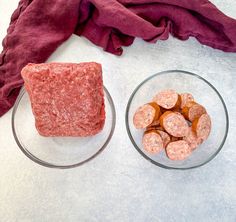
[167, 99]
[174, 123]
[165, 137]
[202, 126]
[192, 139]
[146, 115]
[178, 150]
[193, 110]
[185, 98]
[152, 142]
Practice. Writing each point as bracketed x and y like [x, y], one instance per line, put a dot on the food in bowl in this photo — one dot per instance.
[67, 99]
[172, 122]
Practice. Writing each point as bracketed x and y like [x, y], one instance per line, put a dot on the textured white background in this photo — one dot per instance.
[119, 185]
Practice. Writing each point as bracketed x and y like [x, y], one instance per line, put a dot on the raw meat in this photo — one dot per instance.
[67, 99]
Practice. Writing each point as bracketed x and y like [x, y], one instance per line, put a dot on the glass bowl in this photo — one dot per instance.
[204, 93]
[58, 152]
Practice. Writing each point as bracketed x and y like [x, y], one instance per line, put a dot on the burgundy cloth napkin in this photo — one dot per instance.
[38, 27]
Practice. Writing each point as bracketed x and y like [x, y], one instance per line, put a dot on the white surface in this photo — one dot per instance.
[119, 185]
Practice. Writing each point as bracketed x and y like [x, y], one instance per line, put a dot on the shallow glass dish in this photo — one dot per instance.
[204, 93]
[58, 152]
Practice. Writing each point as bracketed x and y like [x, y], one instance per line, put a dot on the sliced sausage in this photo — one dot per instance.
[192, 139]
[153, 127]
[193, 110]
[152, 142]
[155, 123]
[146, 115]
[185, 98]
[167, 99]
[178, 150]
[174, 124]
[165, 137]
[173, 138]
[202, 126]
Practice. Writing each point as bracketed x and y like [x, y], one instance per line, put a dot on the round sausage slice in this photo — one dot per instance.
[165, 137]
[152, 142]
[145, 115]
[193, 110]
[178, 150]
[174, 124]
[185, 98]
[167, 99]
[192, 139]
[202, 126]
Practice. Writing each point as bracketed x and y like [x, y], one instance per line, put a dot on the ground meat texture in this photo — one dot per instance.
[174, 124]
[193, 110]
[167, 99]
[185, 98]
[152, 142]
[202, 126]
[67, 99]
[165, 137]
[192, 139]
[178, 150]
[145, 115]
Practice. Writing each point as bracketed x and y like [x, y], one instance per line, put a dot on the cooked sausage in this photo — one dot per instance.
[165, 137]
[167, 99]
[185, 98]
[172, 121]
[152, 142]
[192, 139]
[150, 128]
[155, 123]
[173, 138]
[174, 124]
[193, 110]
[146, 115]
[178, 150]
[202, 126]
[153, 127]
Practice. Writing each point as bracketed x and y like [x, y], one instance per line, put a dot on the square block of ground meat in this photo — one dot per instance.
[67, 99]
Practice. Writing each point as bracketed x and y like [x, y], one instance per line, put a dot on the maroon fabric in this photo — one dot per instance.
[38, 27]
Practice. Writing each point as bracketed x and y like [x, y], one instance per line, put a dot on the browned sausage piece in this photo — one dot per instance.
[155, 123]
[178, 150]
[151, 128]
[192, 139]
[152, 142]
[173, 139]
[165, 137]
[167, 99]
[174, 124]
[202, 126]
[193, 110]
[145, 115]
[185, 98]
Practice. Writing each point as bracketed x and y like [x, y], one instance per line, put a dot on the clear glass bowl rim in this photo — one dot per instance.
[50, 165]
[142, 153]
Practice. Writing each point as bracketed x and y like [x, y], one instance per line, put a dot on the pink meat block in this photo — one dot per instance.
[67, 99]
